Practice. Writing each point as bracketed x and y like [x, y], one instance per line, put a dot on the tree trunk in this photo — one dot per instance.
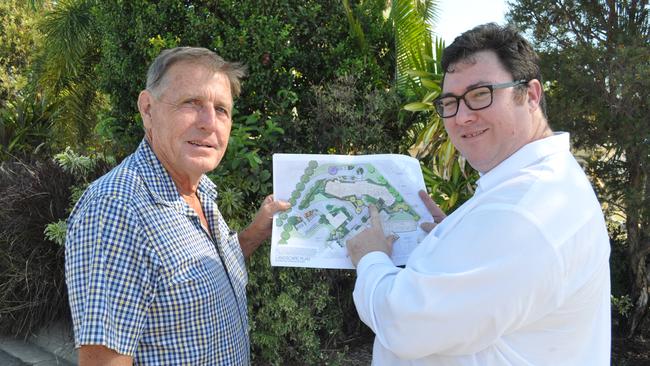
[638, 243]
[639, 291]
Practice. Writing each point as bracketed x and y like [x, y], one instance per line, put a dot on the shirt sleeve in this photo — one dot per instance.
[458, 294]
[110, 275]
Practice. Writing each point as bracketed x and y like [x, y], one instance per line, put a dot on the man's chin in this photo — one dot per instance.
[203, 166]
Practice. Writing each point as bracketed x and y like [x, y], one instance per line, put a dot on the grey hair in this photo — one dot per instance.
[234, 71]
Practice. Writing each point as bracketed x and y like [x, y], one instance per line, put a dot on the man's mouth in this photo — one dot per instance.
[201, 144]
[474, 134]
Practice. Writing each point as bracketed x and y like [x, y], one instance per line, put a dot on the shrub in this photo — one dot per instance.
[18, 38]
[24, 124]
[32, 286]
[297, 316]
[347, 116]
[288, 46]
[35, 195]
[244, 174]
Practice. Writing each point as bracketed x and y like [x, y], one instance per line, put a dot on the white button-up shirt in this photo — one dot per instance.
[518, 275]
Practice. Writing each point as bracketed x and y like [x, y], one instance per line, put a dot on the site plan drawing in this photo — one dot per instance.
[330, 195]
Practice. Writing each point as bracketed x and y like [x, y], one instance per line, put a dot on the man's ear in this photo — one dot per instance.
[534, 93]
[144, 106]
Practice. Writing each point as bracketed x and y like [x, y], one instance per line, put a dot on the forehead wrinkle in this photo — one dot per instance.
[217, 95]
[210, 92]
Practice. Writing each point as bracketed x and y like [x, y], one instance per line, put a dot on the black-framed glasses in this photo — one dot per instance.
[475, 99]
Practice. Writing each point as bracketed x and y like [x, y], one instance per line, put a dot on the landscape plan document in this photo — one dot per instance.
[330, 195]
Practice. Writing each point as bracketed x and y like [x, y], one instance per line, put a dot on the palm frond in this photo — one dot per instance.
[412, 20]
[355, 28]
[419, 77]
[65, 68]
[69, 36]
[76, 117]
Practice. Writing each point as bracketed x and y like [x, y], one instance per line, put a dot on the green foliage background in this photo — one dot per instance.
[312, 88]
[322, 80]
[289, 46]
[596, 57]
[24, 114]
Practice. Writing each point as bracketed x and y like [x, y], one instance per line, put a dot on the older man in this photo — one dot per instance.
[519, 274]
[154, 274]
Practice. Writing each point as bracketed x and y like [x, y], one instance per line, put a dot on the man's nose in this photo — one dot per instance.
[207, 118]
[464, 113]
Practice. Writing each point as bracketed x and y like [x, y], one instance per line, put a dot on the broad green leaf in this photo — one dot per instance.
[417, 106]
[431, 85]
[419, 73]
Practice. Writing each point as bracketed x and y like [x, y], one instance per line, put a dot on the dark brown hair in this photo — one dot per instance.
[514, 52]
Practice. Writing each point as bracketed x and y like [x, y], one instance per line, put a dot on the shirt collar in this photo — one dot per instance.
[159, 182]
[525, 156]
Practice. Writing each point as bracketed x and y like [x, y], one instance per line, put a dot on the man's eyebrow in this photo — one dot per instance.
[186, 97]
[470, 86]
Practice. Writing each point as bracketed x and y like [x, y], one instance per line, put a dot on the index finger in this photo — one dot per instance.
[375, 218]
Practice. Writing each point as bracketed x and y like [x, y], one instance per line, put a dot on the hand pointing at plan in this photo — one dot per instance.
[371, 239]
[330, 196]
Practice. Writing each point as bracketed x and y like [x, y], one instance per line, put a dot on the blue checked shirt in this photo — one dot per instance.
[146, 280]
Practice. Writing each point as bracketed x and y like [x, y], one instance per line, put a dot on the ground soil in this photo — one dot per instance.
[630, 352]
[625, 352]
[360, 355]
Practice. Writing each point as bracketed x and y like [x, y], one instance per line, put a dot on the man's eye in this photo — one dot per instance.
[479, 93]
[190, 103]
[448, 102]
[220, 110]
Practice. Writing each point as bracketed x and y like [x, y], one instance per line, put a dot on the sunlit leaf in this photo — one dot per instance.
[417, 106]
[431, 85]
[420, 73]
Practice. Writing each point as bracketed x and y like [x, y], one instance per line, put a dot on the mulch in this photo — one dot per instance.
[630, 352]
[625, 352]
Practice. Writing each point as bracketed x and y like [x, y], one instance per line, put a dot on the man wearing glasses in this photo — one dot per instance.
[519, 274]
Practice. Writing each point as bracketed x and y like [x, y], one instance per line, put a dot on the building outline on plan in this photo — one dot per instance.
[330, 203]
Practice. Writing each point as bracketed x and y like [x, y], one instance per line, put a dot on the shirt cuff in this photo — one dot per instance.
[371, 258]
